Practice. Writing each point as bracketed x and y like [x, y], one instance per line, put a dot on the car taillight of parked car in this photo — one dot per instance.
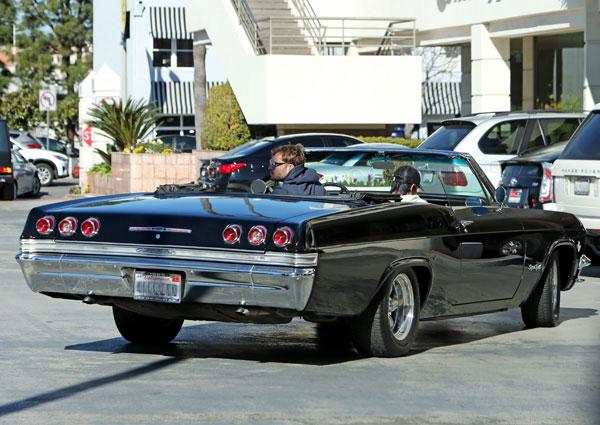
[34, 146]
[230, 168]
[546, 188]
[6, 170]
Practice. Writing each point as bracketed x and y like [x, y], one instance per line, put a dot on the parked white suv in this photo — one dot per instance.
[494, 137]
[576, 179]
[50, 165]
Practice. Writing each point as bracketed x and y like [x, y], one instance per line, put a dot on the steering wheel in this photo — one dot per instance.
[343, 189]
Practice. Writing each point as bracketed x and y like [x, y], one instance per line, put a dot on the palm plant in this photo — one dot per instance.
[124, 124]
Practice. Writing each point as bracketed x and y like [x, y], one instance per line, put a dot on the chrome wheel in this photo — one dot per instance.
[45, 174]
[401, 306]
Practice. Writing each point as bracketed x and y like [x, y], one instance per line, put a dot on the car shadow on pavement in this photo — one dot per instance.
[71, 390]
[298, 343]
[593, 271]
[449, 332]
[293, 343]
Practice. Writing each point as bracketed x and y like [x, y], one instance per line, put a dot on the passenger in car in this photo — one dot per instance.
[405, 182]
[287, 166]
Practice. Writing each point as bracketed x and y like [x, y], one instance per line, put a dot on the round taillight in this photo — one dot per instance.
[283, 236]
[90, 227]
[45, 225]
[257, 235]
[67, 226]
[232, 234]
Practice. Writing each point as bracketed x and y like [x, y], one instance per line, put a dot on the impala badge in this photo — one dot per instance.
[159, 229]
[535, 267]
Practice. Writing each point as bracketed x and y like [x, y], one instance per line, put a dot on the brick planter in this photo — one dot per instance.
[144, 172]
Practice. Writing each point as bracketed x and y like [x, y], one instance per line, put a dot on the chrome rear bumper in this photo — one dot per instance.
[276, 280]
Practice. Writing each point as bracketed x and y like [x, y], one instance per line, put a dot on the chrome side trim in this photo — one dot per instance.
[174, 252]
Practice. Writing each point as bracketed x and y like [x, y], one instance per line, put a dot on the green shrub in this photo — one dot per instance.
[102, 169]
[224, 124]
[410, 143]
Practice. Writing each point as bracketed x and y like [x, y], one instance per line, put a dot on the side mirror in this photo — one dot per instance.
[30, 160]
[501, 197]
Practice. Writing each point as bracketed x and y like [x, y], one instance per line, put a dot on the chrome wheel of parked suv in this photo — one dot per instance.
[45, 173]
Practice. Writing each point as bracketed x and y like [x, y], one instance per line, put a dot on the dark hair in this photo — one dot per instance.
[404, 177]
[291, 154]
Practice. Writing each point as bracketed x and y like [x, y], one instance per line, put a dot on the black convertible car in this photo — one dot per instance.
[361, 262]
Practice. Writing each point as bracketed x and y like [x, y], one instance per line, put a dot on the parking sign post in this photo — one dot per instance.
[47, 100]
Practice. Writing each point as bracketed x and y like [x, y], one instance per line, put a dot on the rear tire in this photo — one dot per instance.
[45, 173]
[141, 329]
[542, 308]
[387, 328]
[9, 192]
[37, 187]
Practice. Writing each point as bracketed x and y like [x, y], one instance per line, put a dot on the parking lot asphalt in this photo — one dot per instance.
[63, 362]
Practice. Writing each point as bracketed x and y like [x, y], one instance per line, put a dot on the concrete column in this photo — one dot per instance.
[591, 55]
[528, 67]
[490, 71]
[465, 82]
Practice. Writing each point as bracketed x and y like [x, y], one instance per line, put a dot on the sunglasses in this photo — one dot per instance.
[273, 164]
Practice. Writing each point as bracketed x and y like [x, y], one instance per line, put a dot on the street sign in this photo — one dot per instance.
[86, 135]
[47, 98]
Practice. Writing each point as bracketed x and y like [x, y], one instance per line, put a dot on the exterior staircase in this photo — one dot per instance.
[278, 26]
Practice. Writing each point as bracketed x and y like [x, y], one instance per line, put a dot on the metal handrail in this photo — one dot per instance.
[385, 48]
[311, 23]
[362, 33]
[250, 25]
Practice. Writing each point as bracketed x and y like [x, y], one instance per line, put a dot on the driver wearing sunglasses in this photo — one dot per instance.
[287, 167]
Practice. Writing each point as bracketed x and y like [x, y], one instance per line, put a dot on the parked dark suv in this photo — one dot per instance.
[7, 184]
[240, 166]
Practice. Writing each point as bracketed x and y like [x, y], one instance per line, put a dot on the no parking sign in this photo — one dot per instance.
[47, 99]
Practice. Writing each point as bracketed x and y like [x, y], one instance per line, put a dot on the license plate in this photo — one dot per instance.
[582, 186]
[154, 286]
[514, 196]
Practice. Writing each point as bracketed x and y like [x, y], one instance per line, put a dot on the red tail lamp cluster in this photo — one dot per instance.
[257, 235]
[68, 226]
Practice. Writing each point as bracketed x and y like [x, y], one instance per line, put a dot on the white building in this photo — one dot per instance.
[519, 54]
[347, 64]
[142, 50]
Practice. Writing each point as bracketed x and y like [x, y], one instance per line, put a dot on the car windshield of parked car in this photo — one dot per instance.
[585, 143]
[441, 176]
[344, 158]
[447, 137]
[248, 148]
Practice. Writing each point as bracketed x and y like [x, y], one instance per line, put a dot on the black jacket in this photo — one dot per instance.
[301, 181]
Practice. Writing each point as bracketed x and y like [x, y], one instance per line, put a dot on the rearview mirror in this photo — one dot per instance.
[383, 165]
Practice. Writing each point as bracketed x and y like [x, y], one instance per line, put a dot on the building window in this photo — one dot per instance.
[172, 52]
[559, 71]
[162, 52]
[182, 125]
